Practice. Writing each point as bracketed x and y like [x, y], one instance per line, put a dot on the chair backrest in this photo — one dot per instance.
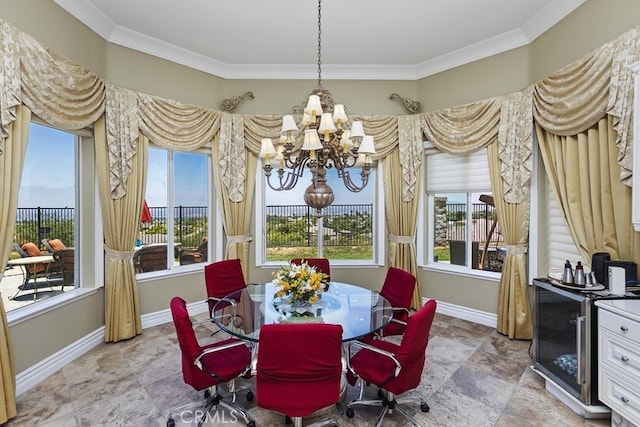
[413, 349]
[19, 250]
[204, 250]
[150, 258]
[398, 288]
[66, 260]
[299, 367]
[227, 364]
[224, 277]
[321, 264]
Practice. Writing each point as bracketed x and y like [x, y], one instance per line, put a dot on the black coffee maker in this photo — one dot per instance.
[598, 267]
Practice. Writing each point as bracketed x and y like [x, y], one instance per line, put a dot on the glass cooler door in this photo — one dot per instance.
[558, 315]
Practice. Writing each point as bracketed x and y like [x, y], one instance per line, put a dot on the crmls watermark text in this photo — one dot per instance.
[214, 417]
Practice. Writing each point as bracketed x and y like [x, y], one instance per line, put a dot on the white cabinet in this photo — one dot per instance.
[619, 359]
[635, 207]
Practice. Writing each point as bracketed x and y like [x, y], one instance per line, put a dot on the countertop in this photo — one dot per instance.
[629, 308]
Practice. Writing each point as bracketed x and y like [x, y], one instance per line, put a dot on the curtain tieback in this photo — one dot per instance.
[239, 238]
[118, 255]
[517, 249]
[401, 239]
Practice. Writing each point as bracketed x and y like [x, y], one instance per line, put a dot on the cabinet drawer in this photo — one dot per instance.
[620, 354]
[621, 395]
[619, 325]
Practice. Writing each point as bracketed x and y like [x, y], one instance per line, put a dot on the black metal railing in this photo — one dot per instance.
[297, 225]
[286, 226]
[35, 224]
[482, 216]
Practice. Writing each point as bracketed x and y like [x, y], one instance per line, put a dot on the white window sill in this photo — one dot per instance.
[458, 270]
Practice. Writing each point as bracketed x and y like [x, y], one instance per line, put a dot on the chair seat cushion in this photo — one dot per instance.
[373, 367]
[235, 360]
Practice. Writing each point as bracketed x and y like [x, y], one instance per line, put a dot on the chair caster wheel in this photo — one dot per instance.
[207, 394]
[171, 423]
[350, 413]
[424, 407]
[249, 396]
[251, 424]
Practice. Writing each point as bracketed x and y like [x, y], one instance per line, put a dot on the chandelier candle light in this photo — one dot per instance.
[327, 142]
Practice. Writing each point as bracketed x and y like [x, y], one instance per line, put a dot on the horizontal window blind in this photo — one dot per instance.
[560, 244]
[449, 173]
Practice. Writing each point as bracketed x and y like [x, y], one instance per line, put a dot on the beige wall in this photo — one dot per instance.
[593, 24]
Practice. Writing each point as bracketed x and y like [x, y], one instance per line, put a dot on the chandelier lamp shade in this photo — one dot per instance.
[323, 139]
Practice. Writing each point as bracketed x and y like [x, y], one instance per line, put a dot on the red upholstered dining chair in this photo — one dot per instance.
[321, 264]
[299, 368]
[393, 368]
[206, 366]
[221, 279]
[397, 288]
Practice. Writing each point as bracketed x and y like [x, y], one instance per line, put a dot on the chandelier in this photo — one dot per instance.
[323, 141]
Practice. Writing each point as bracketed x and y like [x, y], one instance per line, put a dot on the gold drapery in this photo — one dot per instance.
[121, 223]
[514, 311]
[584, 176]
[236, 214]
[402, 218]
[11, 163]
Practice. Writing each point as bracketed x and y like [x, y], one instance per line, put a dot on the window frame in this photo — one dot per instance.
[378, 226]
[89, 262]
[426, 227]
[177, 270]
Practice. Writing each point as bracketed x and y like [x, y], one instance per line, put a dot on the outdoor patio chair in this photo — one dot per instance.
[53, 245]
[194, 255]
[26, 250]
[150, 258]
[65, 259]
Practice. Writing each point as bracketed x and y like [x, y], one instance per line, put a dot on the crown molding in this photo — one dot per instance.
[92, 17]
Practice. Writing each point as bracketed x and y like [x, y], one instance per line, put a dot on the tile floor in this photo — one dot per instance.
[473, 377]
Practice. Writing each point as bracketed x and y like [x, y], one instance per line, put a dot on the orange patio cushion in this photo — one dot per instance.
[31, 249]
[56, 244]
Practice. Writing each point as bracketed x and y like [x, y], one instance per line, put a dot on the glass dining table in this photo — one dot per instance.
[360, 311]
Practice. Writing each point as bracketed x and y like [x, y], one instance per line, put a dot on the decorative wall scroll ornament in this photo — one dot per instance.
[411, 105]
[230, 104]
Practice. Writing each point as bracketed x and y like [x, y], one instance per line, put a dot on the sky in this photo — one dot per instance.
[49, 169]
[48, 177]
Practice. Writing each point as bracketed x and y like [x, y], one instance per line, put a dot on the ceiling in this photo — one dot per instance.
[361, 39]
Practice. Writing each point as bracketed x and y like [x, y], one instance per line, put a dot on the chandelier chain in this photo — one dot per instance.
[319, 44]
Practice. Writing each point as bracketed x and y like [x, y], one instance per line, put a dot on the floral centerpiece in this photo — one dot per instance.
[299, 285]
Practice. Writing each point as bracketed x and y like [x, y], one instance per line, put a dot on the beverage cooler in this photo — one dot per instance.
[565, 344]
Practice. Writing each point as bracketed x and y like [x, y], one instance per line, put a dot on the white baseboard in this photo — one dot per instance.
[466, 313]
[164, 316]
[43, 369]
[52, 364]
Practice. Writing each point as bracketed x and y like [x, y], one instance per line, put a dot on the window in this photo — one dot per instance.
[463, 231]
[177, 194]
[46, 220]
[346, 232]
